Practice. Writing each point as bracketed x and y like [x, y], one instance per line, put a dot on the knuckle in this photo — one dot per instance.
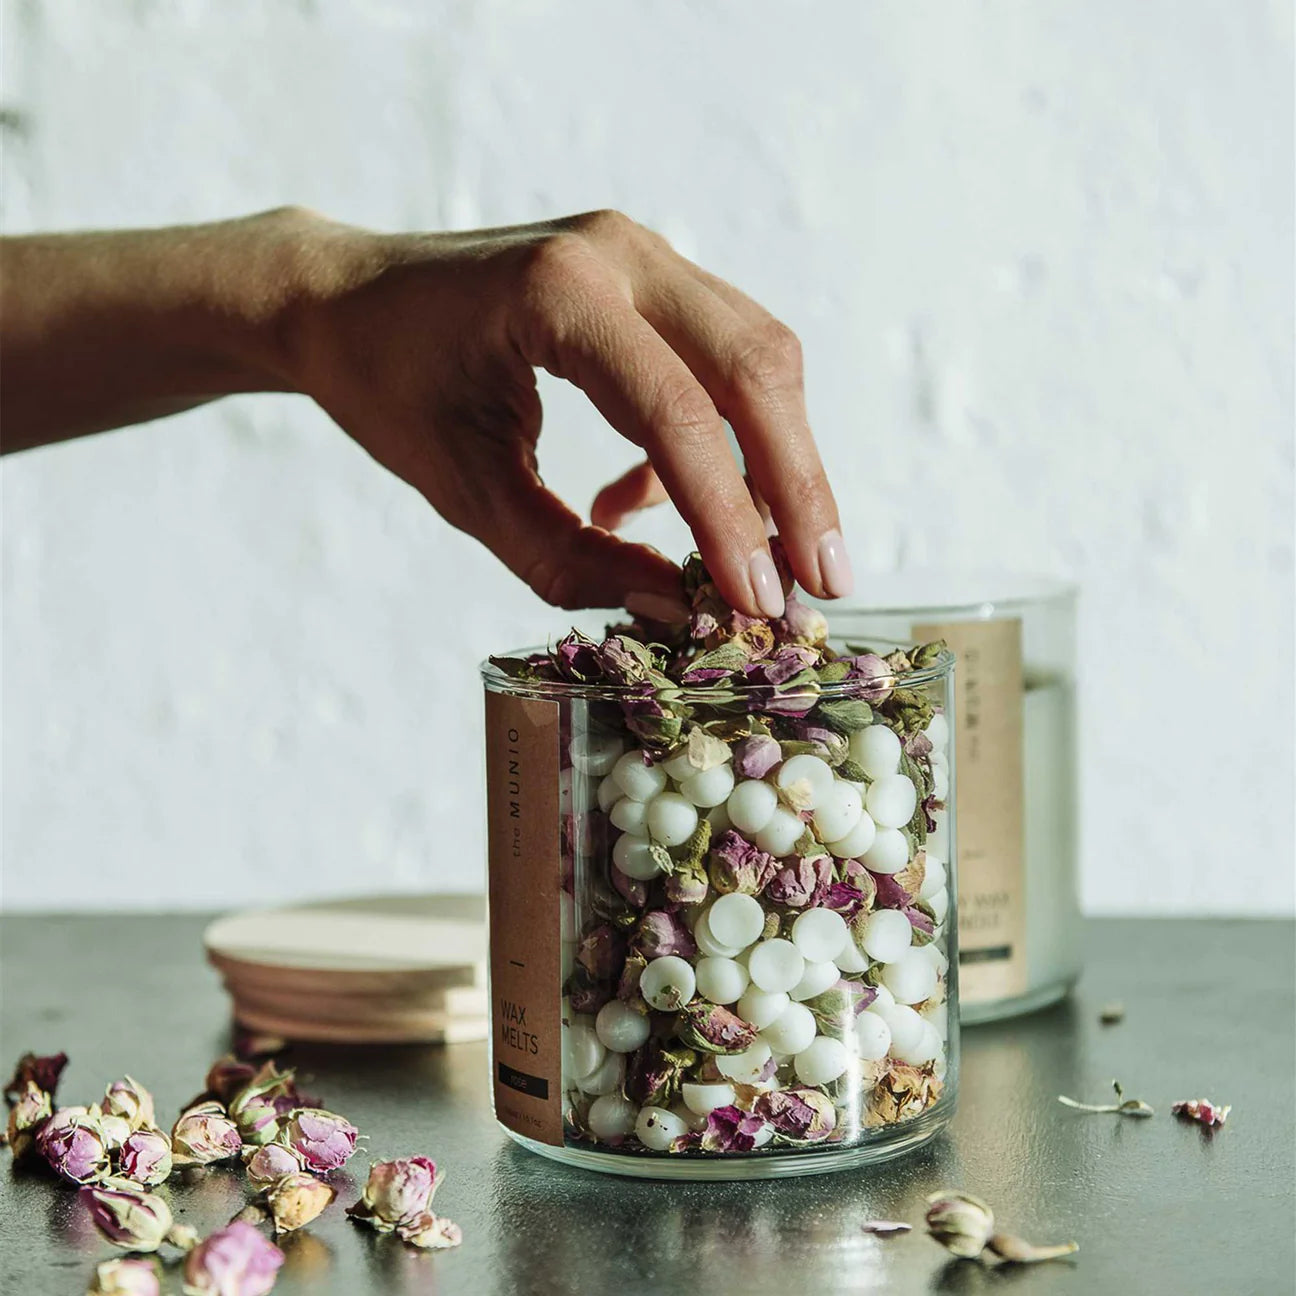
[556, 261]
[606, 224]
[684, 412]
[552, 580]
[771, 358]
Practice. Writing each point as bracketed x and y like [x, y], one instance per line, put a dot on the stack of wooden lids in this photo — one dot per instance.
[390, 969]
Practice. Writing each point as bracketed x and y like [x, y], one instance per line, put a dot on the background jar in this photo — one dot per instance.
[732, 956]
[1014, 638]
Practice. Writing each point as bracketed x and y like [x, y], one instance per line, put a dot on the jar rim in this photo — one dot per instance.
[940, 669]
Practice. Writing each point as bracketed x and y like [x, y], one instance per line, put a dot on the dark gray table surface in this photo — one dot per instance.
[1156, 1205]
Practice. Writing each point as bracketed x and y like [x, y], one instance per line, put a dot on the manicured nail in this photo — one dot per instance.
[657, 607]
[835, 566]
[766, 584]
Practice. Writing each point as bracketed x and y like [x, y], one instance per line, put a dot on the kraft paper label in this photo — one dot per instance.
[522, 823]
[991, 852]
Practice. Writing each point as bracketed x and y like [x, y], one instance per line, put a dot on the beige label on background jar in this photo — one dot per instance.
[991, 854]
[525, 874]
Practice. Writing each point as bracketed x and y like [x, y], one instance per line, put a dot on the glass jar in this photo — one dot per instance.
[722, 921]
[1014, 638]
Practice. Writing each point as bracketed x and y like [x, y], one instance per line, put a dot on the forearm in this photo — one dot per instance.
[104, 329]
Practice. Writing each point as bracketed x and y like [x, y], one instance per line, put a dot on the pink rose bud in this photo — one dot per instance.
[26, 1118]
[128, 1217]
[205, 1134]
[256, 1108]
[323, 1139]
[129, 1099]
[44, 1071]
[233, 1261]
[145, 1157]
[229, 1076]
[115, 1130]
[432, 1233]
[270, 1162]
[128, 1276]
[73, 1144]
[398, 1192]
[296, 1199]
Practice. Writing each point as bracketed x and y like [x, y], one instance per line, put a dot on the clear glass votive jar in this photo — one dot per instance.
[1014, 639]
[722, 919]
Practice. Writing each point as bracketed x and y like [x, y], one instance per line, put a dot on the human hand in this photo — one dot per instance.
[424, 349]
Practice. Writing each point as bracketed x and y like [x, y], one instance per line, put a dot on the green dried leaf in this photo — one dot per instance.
[833, 672]
[845, 715]
[852, 772]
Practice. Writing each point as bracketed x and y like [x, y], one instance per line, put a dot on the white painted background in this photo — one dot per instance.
[1040, 257]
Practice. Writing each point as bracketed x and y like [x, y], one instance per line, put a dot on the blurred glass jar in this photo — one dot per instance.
[728, 957]
[1014, 640]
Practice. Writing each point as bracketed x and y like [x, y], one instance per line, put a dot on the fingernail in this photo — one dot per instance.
[657, 607]
[835, 566]
[766, 584]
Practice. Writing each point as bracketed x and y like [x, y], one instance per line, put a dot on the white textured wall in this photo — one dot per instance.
[1040, 256]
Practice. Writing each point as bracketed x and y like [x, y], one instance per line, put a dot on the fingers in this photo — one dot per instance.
[582, 327]
[640, 488]
[750, 364]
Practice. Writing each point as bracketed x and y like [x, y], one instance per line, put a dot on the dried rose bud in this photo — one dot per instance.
[145, 1157]
[256, 1108]
[628, 983]
[324, 1140]
[398, 1193]
[26, 1119]
[74, 1145]
[655, 1072]
[802, 1115]
[432, 1233]
[205, 1134]
[1201, 1110]
[229, 1076]
[43, 1071]
[233, 1261]
[754, 757]
[602, 951]
[715, 1029]
[115, 1130]
[269, 1162]
[961, 1223]
[873, 677]
[730, 1129]
[801, 883]
[661, 932]
[801, 624]
[128, 1276]
[297, 1198]
[687, 886]
[737, 865]
[625, 660]
[129, 1099]
[585, 994]
[129, 1217]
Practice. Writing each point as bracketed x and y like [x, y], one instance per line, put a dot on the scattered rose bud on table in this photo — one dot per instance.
[964, 1226]
[145, 1157]
[1201, 1110]
[129, 1100]
[322, 1139]
[270, 1162]
[73, 1143]
[205, 1134]
[297, 1198]
[128, 1276]
[26, 1118]
[44, 1072]
[233, 1261]
[133, 1219]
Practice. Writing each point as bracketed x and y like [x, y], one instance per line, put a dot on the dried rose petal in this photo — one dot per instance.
[737, 865]
[801, 883]
[1201, 1110]
[730, 1129]
[654, 1073]
[885, 1228]
[233, 1261]
[43, 1071]
[324, 1140]
[715, 1029]
[754, 757]
[801, 1114]
[432, 1233]
[602, 951]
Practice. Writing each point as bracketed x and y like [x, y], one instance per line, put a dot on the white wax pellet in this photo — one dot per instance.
[718, 818]
[887, 935]
[705, 1098]
[606, 1078]
[761, 1008]
[637, 780]
[581, 1049]
[671, 819]
[940, 783]
[911, 979]
[657, 1128]
[567, 926]
[679, 767]
[709, 787]
[838, 811]
[876, 750]
[938, 730]
[939, 758]
[631, 816]
[936, 956]
[820, 934]
[609, 793]
[792, 1031]
[889, 852]
[576, 792]
[906, 1027]
[858, 840]
[763, 1135]
[775, 964]
[807, 778]
[633, 856]
[892, 801]
[938, 838]
[938, 1016]
[737, 919]
[822, 1061]
[751, 805]
[850, 958]
[882, 998]
[708, 944]
[781, 833]
[620, 1027]
[924, 1048]
[690, 1118]
[933, 878]
[667, 983]
[720, 980]
[612, 1116]
[595, 753]
[816, 978]
[940, 904]
[872, 1036]
[745, 1067]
